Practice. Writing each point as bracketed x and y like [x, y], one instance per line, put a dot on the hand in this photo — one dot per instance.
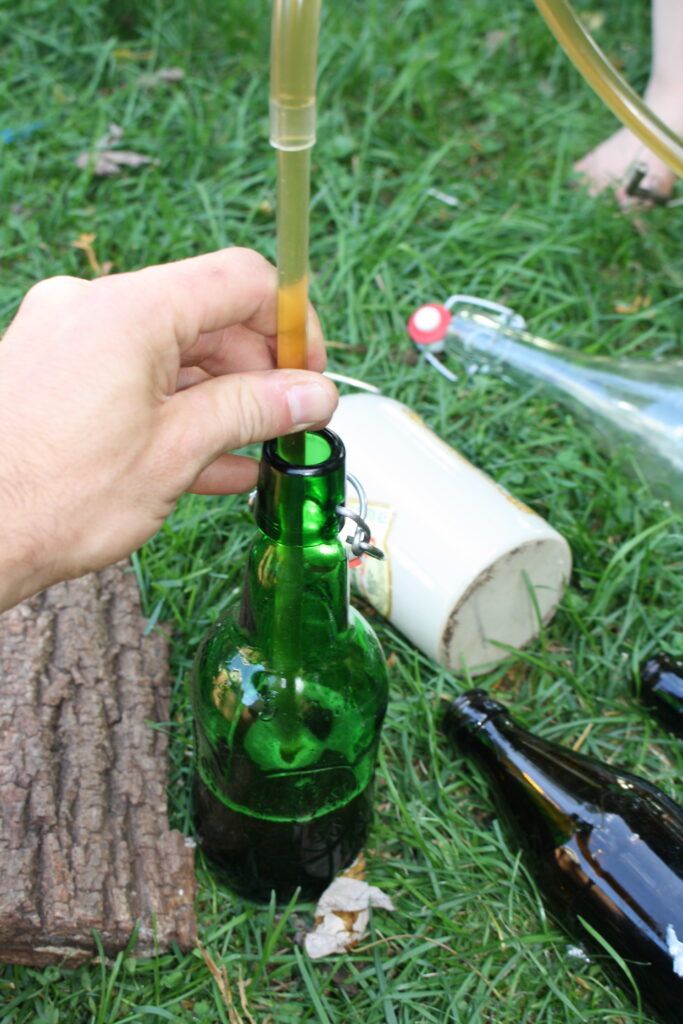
[117, 395]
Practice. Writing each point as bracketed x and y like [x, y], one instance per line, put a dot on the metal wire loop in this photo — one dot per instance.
[360, 540]
[506, 316]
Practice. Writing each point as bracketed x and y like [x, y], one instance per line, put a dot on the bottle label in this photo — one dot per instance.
[371, 577]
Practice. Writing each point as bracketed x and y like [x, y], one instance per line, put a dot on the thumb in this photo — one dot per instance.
[234, 410]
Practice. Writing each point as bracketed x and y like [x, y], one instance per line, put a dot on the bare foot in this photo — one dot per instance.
[612, 163]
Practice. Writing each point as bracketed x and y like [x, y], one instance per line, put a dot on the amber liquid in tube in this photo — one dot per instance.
[291, 332]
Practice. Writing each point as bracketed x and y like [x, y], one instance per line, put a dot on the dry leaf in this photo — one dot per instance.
[155, 78]
[220, 976]
[639, 303]
[111, 137]
[85, 242]
[105, 161]
[592, 20]
[357, 869]
[495, 39]
[342, 915]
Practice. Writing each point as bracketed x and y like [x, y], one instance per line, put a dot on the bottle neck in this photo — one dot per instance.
[550, 792]
[607, 387]
[296, 501]
[295, 596]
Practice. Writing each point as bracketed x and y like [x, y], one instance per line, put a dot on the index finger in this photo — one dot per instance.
[200, 294]
[196, 301]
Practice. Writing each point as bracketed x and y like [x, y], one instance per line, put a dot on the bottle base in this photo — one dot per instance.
[256, 856]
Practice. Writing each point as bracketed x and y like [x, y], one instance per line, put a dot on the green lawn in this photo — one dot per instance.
[474, 100]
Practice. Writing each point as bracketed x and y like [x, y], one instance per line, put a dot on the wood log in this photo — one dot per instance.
[84, 838]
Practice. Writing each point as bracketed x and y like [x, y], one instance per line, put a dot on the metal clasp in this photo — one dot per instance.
[502, 315]
[634, 189]
[505, 316]
[360, 540]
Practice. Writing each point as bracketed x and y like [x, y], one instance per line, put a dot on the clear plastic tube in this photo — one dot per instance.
[294, 49]
[293, 65]
[612, 89]
[293, 62]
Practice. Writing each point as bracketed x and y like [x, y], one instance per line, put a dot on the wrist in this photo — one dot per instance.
[17, 580]
[22, 568]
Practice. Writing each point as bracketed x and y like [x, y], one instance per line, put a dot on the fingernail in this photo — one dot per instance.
[309, 403]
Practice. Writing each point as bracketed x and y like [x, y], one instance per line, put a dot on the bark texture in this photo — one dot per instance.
[84, 837]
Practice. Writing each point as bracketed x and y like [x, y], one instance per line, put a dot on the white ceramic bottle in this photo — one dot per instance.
[470, 571]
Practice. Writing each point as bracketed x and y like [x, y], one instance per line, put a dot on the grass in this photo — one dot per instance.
[476, 101]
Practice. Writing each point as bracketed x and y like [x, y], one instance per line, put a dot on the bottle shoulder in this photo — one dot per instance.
[554, 791]
[353, 656]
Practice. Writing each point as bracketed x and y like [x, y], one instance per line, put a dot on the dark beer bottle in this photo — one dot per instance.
[289, 692]
[606, 846]
[661, 690]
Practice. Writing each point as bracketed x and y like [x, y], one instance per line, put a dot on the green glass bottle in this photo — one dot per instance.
[606, 846]
[289, 692]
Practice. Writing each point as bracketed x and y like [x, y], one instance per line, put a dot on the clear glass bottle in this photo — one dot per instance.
[634, 406]
[289, 692]
[606, 846]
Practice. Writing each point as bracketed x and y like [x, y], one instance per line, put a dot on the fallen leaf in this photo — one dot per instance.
[105, 161]
[155, 78]
[592, 20]
[85, 242]
[111, 137]
[639, 303]
[342, 915]
[357, 869]
[582, 738]
[220, 976]
[496, 38]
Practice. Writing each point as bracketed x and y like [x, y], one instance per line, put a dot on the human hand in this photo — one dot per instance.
[117, 395]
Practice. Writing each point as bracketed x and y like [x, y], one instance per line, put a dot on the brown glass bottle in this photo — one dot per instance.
[606, 846]
[661, 690]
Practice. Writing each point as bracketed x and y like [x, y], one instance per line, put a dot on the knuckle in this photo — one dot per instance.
[244, 255]
[53, 291]
[247, 421]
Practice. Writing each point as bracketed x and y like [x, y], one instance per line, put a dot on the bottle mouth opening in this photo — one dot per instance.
[469, 713]
[320, 452]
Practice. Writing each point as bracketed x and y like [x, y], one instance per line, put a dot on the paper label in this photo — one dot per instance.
[371, 577]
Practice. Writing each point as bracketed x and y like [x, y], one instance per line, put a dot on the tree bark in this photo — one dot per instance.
[84, 839]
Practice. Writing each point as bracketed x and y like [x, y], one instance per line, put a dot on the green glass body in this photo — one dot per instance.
[289, 693]
[661, 690]
[606, 846]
